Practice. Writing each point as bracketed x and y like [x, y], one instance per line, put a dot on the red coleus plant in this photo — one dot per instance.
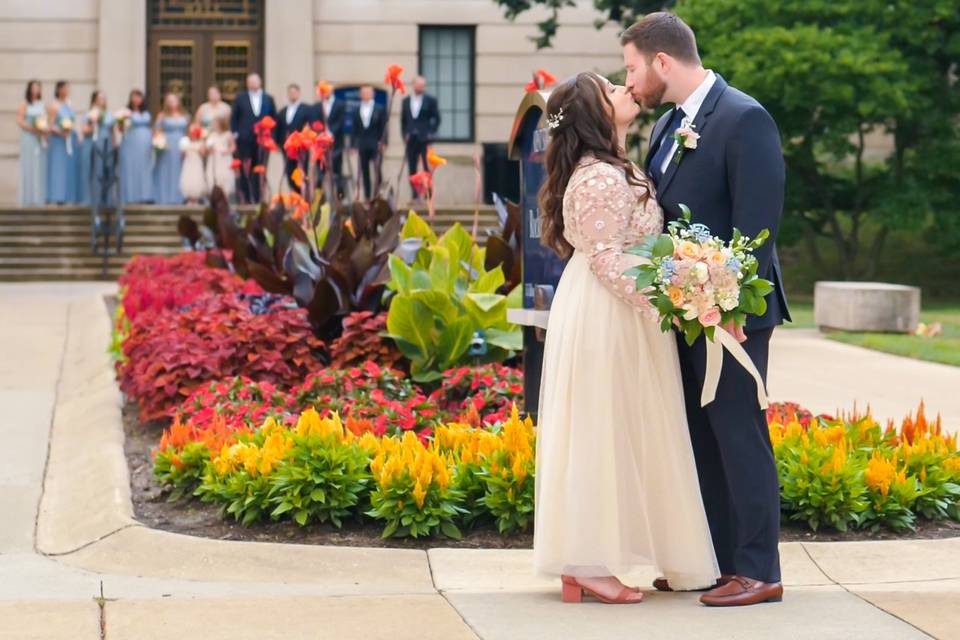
[362, 340]
[218, 336]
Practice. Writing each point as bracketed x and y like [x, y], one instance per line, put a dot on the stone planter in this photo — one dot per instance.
[866, 306]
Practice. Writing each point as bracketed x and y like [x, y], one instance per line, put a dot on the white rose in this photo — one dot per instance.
[701, 272]
[690, 140]
[729, 302]
[690, 312]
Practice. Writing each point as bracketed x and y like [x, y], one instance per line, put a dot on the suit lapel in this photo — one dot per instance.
[709, 104]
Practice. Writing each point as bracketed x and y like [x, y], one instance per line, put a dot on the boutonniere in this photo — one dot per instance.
[685, 137]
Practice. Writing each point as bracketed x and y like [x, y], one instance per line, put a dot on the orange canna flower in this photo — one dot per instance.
[393, 78]
[422, 182]
[260, 169]
[541, 80]
[235, 164]
[324, 89]
[435, 160]
[297, 177]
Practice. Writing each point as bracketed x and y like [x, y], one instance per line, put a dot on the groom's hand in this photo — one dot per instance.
[736, 331]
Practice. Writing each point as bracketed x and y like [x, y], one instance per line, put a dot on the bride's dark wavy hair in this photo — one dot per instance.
[587, 127]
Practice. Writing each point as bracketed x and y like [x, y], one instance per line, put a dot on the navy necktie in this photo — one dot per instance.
[666, 143]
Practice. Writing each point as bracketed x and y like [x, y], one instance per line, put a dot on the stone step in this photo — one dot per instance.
[82, 241]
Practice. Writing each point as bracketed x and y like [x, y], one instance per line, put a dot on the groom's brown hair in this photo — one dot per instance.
[664, 32]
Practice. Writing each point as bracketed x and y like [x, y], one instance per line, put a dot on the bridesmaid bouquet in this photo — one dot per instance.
[40, 124]
[159, 142]
[122, 117]
[699, 282]
[66, 125]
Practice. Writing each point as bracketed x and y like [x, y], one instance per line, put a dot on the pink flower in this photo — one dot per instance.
[710, 317]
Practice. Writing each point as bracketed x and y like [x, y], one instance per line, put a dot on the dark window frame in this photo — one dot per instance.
[472, 31]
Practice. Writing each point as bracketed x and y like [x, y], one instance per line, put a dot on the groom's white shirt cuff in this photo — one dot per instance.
[691, 106]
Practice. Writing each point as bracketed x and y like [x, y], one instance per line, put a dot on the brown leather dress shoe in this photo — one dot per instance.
[661, 584]
[740, 591]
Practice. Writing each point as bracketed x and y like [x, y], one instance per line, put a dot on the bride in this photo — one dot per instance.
[616, 483]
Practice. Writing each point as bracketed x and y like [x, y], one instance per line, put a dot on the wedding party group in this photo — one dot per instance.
[648, 452]
[175, 158]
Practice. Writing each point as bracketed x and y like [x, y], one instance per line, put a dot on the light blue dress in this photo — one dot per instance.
[136, 160]
[166, 169]
[62, 165]
[32, 187]
[84, 163]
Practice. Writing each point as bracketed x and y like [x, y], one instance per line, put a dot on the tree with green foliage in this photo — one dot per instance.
[835, 74]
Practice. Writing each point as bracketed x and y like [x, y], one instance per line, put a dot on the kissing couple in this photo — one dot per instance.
[632, 471]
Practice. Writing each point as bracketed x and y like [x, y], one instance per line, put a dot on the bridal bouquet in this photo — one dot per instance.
[699, 282]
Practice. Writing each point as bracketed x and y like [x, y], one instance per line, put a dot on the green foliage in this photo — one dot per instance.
[321, 480]
[443, 299]
[181, 471]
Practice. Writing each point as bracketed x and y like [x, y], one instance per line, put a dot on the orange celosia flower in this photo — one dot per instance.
[393, 78]
[435, 160]
[324, 89]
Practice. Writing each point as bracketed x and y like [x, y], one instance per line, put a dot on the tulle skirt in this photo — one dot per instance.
[616, 482]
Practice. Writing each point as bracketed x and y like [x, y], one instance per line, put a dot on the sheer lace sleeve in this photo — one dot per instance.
[602, 205]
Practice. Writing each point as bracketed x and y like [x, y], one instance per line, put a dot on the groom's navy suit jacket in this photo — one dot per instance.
[734, 178]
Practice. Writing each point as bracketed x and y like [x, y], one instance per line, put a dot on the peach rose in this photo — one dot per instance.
[676, 296]
[710, 317]
[689, 249]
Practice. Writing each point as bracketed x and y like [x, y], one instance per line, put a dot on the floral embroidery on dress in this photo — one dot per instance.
[604, 215]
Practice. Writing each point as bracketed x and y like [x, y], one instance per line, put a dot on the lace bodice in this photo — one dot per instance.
[604, 215]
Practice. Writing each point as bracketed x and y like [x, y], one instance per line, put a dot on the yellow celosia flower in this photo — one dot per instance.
[419, 494]
[880, 473]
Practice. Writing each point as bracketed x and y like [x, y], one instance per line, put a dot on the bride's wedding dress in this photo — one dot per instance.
[616, 483]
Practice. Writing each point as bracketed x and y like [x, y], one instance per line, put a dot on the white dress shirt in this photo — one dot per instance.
[691, 106]
[416, 101]
[366, 113]
[292, 111]
[256, 101]
[328, 106]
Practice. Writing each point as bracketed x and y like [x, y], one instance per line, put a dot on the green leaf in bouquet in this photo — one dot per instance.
[663, 246]
[665, 323]
[710, 332]
[736, 236]
[633, 272]
[646, 278]
[663, 304]
[760, 239]
[686, 213]
[762, 287]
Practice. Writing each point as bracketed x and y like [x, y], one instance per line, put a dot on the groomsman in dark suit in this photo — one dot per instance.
[419, 121]
[293, 117]
[250, 107]
[369, 121]
[333, 114]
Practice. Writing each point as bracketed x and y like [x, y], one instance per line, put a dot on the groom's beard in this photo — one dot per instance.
[654, 98]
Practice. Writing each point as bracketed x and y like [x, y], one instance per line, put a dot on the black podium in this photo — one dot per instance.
[541, 267]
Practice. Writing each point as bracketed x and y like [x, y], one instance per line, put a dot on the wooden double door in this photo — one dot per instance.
[187, 55]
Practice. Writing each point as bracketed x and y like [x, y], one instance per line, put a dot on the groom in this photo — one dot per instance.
[733, 178]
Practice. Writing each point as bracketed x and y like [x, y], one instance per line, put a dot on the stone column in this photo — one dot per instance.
[122, 50]
[288, 48]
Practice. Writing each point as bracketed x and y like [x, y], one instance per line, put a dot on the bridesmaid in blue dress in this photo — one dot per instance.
[97, 148]
[87, 124]
[172, 124]
[32, 120]
[62, 151]
[136, 152]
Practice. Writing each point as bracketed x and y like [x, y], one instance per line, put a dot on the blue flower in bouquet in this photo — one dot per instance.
[668, 269]
[733, 264]
[700, 232]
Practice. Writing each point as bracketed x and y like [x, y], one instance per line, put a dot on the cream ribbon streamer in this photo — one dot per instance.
[721, 339]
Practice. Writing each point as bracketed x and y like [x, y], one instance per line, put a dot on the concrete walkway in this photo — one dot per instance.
[67, 532]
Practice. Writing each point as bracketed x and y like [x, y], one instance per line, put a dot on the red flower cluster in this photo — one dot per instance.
[541, 80]
[488, 391]
[422, 183]
[392, 78]
[238, 402]
[263, 129]
[787, 412]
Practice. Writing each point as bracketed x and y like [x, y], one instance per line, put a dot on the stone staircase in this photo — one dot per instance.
[53, 243]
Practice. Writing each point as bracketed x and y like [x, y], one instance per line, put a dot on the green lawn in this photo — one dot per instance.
[944, 348]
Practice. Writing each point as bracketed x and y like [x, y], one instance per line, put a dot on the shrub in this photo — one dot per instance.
[324, 475]
[174, 352]
[363, 340]
[508, 473]
[412, 490]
